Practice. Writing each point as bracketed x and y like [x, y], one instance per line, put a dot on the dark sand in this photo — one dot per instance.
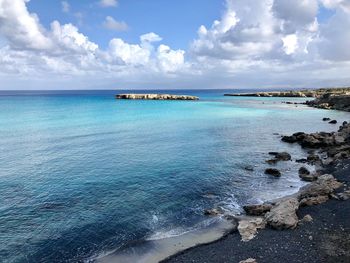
[325, 239]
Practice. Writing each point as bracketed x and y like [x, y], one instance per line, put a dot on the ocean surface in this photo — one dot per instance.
[83, 175]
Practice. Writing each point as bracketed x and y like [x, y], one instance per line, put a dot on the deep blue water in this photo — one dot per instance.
[82, 173]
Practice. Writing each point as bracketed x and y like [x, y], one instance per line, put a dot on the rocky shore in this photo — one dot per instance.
[314, 93]
[331, 102]
[155, 97]
[315, 220]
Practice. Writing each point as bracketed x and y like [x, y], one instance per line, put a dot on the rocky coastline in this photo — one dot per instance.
[155, 97]
[301, 215]
[313, 93]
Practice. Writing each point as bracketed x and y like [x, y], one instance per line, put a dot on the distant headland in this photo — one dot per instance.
[155, 97]
[331, 99]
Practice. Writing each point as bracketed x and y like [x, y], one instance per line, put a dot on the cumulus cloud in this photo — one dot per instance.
[108, 3]
[266, 43]
[112, 24]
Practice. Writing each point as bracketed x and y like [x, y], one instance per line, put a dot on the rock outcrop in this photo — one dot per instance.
[331, 101]
[283, 214]
[155, 97]
[248, 228]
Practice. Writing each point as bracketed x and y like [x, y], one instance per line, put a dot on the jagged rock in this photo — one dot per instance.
[333, 122]
[283, 214]
[248, 228]
[273, 172]
[257, 210]
[249, 260]
[315, 200]
[323, 186]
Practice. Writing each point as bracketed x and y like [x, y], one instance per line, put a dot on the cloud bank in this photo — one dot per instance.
[255, 44]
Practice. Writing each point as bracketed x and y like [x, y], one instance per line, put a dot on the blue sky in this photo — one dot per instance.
[176, 21]
[140, 44]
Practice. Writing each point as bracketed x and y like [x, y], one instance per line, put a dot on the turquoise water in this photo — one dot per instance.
[82, 173]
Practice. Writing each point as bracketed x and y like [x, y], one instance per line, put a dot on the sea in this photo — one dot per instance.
[88, 178]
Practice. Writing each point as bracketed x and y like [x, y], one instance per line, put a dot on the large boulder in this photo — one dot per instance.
[323, 186]
[283, 215]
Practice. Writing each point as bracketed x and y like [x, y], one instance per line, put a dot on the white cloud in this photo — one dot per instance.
[65, 6]
[290, 43]
[150, 37]
[108, 3]
[112, 24]
[265, 43]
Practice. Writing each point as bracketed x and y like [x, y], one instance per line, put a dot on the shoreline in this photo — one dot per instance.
[187, 242]
[311, 217]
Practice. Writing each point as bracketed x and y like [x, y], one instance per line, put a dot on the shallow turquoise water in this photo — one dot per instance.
[82, 173]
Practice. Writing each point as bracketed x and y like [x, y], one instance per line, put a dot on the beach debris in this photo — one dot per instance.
[273, 171]
[257, 210]
[249, 260]
[248, 228]
[283, 214]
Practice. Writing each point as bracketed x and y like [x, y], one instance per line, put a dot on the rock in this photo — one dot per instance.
[273, 172]
[249, 260]
[303, 171]
[333, 122]
[248, 228]
[283, 214]
[307, 218]
[155, 97]
[301, 160]
[283, 156]
[305, 175]
[323, 186]
[212, 212]
[313, 158]
[326, 119]
[309, 177]
[257, 210]
[316, 200]
[289, 139]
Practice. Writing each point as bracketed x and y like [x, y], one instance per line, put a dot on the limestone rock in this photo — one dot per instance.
[248, 228]
[283, 214]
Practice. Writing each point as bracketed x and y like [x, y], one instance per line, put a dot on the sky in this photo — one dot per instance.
[184, 44]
